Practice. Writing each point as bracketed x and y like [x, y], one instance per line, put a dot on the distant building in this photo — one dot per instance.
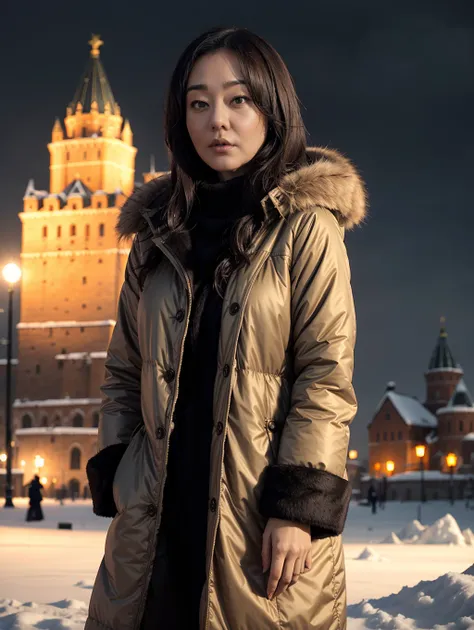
[73, 268]
[444, 423]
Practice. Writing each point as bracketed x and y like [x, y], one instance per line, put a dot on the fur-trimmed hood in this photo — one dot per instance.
[329, 180]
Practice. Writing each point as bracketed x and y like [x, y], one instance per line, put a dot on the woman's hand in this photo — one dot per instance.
[286, 551]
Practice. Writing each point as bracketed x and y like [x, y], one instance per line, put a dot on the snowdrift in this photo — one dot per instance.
[446, 603]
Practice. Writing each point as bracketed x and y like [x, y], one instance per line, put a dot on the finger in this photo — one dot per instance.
[287, 575]
[297, 570]
[266, 552]
[278, 560]
[308, 563]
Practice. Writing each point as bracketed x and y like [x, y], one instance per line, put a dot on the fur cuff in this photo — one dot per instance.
[100, 471]
[306, 495]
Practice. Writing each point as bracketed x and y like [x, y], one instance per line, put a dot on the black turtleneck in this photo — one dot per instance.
[183, 535]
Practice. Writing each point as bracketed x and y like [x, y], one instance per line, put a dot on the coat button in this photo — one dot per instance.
[169, 375]
[219, 428]
[226, 370]
[213, 505]
[160, 433]
[234, 308]
[271, 425]
[151, 510]
[180, 315]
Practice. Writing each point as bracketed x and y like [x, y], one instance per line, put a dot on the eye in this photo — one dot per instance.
[243, 99]
[198, 105]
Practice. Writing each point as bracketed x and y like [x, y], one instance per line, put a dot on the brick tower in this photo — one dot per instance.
[73, 269]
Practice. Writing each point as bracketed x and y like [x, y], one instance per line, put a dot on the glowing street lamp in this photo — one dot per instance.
[353, 454]
[377, 467]
[420, 450]
[3, 458]
[11, 274]
[451, 461]
[390, 466]
[39, 462]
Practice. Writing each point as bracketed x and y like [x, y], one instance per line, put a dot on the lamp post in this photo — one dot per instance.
[390, 466]
[420, 450]
[12, 274]
[451, 461]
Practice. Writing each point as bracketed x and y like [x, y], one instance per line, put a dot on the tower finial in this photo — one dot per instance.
[442, 321]
[95, 43]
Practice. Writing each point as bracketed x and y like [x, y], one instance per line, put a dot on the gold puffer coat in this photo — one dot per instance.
[283, 402]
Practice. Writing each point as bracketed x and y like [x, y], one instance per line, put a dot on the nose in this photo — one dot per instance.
[219, 118]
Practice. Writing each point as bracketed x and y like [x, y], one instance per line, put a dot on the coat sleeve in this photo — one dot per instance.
[120, 412]
[308, 482]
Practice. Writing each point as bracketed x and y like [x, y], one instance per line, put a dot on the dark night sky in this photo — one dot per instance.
[392, 90]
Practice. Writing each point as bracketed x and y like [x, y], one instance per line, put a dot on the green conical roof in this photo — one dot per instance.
[442, 356]
[94, 85]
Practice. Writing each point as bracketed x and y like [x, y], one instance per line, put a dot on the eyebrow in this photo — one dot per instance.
[227, 84]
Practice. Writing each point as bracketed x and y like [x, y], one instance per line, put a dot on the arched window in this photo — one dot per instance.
[58, 232]
[400, 435]
[26, 421]
[73, 230]
[44, 421]
[95, 419]
[461, 426]
[88, 231]
[45, 231]
[78, 420]
[57, 421]
[75, 459]
[102, 229]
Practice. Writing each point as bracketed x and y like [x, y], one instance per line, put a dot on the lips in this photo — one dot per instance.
[220, 143]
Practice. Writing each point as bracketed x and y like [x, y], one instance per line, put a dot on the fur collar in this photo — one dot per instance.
[329, 179]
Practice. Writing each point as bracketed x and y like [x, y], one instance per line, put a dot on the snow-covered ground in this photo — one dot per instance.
[46, 574]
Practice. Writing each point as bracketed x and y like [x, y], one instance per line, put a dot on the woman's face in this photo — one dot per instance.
[219, 109]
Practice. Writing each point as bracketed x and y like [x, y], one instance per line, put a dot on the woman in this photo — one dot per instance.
[224, 431]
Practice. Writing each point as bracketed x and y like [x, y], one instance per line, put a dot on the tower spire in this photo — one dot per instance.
[95, 43]
[442, 330]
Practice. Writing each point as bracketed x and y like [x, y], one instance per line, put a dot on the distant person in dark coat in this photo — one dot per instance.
[383, 492]
[372, 497]
[35, 513]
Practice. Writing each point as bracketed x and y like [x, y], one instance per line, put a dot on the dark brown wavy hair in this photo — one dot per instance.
[272, 90]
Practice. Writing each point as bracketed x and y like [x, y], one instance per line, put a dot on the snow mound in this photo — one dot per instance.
[370, 555]
[411, 531]
[391, 539]
[67, 614]
[468, 536]
[445, 531]
[445, 603]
